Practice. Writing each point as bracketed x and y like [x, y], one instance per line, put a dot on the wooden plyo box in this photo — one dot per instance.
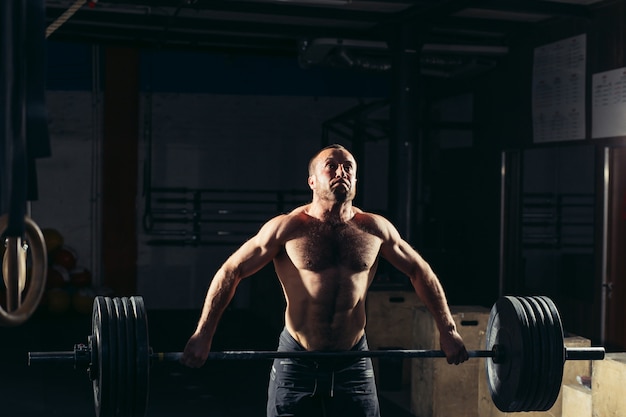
[576, 401]
[608, 386]
[437, 388]
[389, 323]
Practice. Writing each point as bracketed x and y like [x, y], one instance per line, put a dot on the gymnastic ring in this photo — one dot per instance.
[14, 265]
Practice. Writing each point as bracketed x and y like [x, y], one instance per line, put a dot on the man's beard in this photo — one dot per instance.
[339, 194]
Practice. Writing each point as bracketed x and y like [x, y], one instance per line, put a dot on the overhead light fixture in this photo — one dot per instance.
[318, 2]
[502, 15]
[317, 49]
[466, 49]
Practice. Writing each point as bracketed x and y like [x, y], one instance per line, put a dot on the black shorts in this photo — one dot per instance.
[321, 387]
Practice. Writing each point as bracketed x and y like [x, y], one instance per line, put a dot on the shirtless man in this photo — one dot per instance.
[325, 254]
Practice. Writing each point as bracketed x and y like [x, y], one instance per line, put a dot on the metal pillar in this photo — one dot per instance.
[403, 144]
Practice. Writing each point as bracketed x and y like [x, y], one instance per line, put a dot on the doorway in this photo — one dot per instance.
[549, 223]
[614, 251]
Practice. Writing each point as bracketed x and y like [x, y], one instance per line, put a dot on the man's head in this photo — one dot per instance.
[332, 174]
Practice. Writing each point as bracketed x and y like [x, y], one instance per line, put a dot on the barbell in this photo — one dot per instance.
[524, 363]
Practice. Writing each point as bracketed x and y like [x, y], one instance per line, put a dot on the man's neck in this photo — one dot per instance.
[332, 211]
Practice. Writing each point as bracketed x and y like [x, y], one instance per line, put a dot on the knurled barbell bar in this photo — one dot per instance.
[524, 360]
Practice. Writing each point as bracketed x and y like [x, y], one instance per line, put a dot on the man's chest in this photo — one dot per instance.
[321, 248]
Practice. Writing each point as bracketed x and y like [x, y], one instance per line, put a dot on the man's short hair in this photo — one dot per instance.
[312, 160]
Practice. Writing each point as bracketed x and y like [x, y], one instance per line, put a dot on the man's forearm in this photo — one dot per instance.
[220, 293]
[430, 291]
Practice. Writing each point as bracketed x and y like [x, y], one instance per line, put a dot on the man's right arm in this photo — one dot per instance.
[220, 293]
[248, 259]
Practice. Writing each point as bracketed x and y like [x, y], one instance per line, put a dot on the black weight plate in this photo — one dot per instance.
[524, 394]
[131, 354]
[533, 352]
[142, 358]
[535, 315]
[557, 360]
[548, 347]
[554, 370]
[111, 390]
[122, 388]
[99, 327]
[101, 341]
[505, 379]
[544, 354]
[550, 351]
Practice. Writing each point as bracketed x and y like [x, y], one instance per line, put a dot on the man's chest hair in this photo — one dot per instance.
[322, 246]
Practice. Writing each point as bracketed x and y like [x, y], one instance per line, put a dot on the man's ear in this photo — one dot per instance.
[311, 181]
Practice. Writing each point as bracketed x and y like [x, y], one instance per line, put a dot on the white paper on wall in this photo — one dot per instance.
[609, 104]
[558, 101]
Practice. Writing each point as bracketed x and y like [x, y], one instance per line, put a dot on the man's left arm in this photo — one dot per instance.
[428, 288]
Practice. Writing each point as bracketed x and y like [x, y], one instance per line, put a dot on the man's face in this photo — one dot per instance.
[334, 175]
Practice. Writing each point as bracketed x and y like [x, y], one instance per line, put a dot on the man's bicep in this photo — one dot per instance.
[403, 257]
[257, 252]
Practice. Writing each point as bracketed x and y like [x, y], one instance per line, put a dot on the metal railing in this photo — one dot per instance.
[202, 216]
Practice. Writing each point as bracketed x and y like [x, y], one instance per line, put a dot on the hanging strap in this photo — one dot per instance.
[24, 122]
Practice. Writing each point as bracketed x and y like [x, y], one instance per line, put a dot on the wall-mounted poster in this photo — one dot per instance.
[559, 90]
[609, 104]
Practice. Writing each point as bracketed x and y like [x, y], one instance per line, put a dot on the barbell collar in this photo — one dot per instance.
[584, 353]
[35, 358]
[80, 357]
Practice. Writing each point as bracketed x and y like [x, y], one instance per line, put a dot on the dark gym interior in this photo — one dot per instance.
[159, 135]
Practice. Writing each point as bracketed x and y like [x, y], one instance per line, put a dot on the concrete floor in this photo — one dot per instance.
[220, 389]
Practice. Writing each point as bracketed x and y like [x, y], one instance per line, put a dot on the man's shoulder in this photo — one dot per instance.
[289, 221]
[299, 211]
[366, 216]
[373, 222]
[297, 216]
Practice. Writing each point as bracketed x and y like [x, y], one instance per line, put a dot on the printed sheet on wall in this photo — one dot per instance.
[558, 101]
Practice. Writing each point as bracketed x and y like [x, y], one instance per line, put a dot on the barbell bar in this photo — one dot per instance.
[80, 355]
[525, 355]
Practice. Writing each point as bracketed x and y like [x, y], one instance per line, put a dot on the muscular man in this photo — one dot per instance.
[325, 254]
